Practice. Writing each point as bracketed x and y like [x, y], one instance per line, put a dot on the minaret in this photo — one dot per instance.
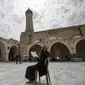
[29, 21]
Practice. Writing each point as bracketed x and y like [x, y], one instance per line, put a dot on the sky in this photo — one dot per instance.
[47, 14]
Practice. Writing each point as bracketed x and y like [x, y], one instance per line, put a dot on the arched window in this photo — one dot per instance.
[59, 51]
[80, 49]
[12, 53]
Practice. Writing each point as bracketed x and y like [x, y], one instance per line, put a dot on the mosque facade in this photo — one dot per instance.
[61, 43]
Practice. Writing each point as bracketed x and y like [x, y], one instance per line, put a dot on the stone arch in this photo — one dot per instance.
[76, 42]
[52, 43]
[59, 51]
[80, 49]
[35, 44]
[35, 48]
[2, 51]
[12, 53]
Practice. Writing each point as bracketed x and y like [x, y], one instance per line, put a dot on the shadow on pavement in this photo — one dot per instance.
[37, 84]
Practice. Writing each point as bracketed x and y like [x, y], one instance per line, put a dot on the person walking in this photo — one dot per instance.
[18, 58]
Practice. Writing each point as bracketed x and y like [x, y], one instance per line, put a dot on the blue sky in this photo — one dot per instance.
[47, 14]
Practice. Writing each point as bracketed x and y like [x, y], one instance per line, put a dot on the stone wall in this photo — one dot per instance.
[68, 36]
[5, 47]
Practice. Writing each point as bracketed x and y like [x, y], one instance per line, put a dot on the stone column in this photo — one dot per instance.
[6, 57]
[72, 49]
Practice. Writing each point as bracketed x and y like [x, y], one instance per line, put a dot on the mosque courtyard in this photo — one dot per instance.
[61, 73]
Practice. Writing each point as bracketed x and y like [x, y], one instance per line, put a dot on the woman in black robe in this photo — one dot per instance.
[40, 66]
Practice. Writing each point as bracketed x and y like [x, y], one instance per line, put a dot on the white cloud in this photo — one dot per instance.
[47, 15]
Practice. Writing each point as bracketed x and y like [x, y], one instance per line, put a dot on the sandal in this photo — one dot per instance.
[29, 82]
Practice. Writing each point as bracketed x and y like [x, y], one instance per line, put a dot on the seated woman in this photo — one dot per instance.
[40, 66]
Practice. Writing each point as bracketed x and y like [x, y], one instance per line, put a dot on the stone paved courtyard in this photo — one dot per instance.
[62, 73]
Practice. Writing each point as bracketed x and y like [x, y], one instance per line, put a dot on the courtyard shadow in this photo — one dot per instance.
[37, 84]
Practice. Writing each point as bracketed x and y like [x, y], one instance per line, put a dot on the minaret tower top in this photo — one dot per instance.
[29, 20]
[29, 11]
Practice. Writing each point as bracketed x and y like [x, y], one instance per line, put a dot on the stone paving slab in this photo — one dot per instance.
[61, 73]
